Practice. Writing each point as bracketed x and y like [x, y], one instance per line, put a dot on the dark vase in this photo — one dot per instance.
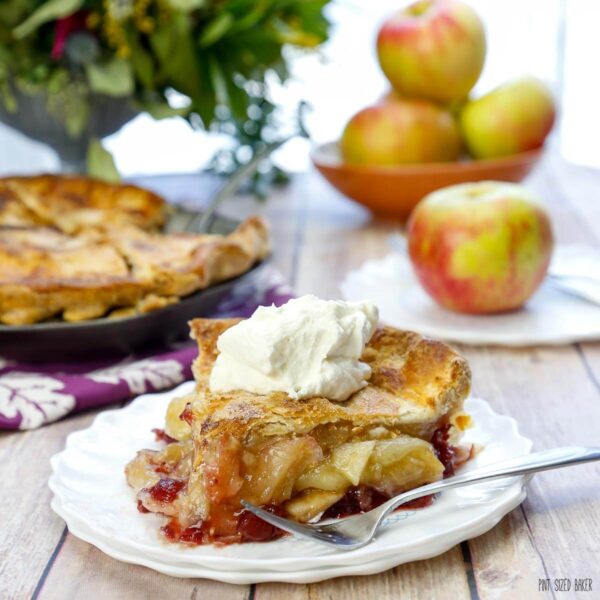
[107, 115]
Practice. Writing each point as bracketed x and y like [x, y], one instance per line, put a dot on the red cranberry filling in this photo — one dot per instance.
[249, 528]
[187, 414]
[443, 449]
[166, 490]
[162, 436]
[362, 499]
[253, 529]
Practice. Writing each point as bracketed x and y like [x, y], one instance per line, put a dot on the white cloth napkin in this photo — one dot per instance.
[575, 268]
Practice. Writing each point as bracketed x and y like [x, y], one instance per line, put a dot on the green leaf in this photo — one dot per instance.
[76, 116]
[250, 52]
[219, 81]
[161, 110]
[182, 66]
[49, 11]
[174, 48]
[216, 29]
[186, 5]
[238, 99]
[141, 59]
[13, 13]
[251, 16]
[143, 67]
[205, 102]
[310, 13]
[100, 163]
[7, 97]
[5, 54]
[113, 78]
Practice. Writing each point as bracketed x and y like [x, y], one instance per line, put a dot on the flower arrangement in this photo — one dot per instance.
[216, 55]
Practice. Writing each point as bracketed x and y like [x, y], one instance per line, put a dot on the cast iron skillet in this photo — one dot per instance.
[56, 341]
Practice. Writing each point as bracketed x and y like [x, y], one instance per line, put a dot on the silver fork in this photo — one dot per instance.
[357, 531]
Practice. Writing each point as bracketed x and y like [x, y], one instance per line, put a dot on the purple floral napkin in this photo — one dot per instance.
[34, 395]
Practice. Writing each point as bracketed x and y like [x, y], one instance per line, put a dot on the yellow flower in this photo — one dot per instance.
[123, 51]
[141, 18]
[93, 20]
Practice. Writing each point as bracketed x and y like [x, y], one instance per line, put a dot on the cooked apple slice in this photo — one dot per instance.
[352, 458]
[174, 426]
[401, 463]
[311, 503]
[277, 467]
[222, 465]
[174, 460]
[141, 471]
[323, 477]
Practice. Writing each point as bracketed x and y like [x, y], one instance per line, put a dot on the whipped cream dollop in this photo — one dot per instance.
[305, 348]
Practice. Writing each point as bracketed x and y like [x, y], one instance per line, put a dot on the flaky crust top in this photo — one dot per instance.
[46, 273]
[416, 384]
[72, 203]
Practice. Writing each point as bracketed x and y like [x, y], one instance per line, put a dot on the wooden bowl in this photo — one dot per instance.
[395, 191]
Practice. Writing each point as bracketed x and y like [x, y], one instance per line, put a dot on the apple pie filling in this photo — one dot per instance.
[336, 469]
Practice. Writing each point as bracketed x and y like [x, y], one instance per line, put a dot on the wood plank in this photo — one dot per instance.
[335, 255]
[440, 577]
[339, 236]
[506, 562]
[30, 530]
[83, 572]
[576, 191]
[550, 394]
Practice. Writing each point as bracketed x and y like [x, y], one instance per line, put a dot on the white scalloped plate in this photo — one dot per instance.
[550, 317]
[92, 496]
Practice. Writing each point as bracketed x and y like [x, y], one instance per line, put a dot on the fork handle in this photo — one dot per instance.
[522, 465]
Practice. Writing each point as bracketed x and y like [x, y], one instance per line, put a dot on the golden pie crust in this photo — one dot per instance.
[73, 203]
[77, 249]
[415, 382]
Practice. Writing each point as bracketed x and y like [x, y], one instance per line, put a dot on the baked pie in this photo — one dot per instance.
[71, 203]
[77, 249]
[45, 273]
[178, 264]
[303, 458]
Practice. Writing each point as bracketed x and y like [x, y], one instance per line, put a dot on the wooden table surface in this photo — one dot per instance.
[553, 392]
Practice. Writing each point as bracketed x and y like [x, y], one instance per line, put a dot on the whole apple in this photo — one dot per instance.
[433, 49]
[480, 247]
[513, 118]
[396, 131]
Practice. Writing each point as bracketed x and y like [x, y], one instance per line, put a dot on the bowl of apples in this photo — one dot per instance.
[427, 132]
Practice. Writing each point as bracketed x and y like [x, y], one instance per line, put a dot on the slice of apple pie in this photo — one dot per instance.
[303, 458]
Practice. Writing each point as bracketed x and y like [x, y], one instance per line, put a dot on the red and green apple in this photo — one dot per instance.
[513, 118]
[433, 49]
[397, 131]
[480, 247]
